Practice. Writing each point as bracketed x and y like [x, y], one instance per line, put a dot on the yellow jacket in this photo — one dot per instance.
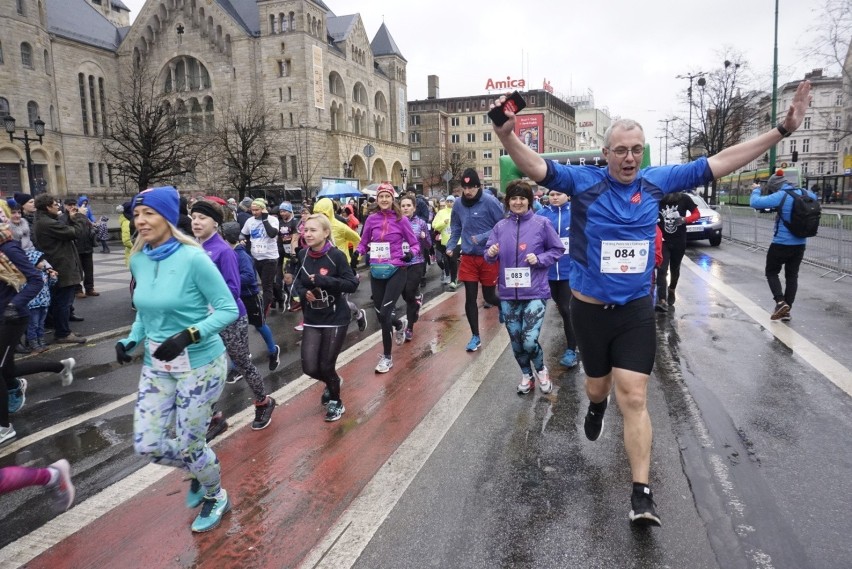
[341, 234]
[441, 222]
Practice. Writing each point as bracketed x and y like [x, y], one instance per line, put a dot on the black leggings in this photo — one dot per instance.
[453, 264]
[411, 292]
[673, 252]
[471, 310]
[560, 291]
[385, 293]
[320, 348]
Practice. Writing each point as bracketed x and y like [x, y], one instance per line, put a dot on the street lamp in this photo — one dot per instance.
[404, 174]
[667, 121]
[347, 170]
[701, 83]
[9, 123]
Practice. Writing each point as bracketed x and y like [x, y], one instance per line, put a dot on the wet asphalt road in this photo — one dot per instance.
[750, 464]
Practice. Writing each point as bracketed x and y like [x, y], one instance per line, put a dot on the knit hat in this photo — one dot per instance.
[451, 199]
[285, 206]
[519, 189]
[259, 202]
[776, 181]
[470, 179]
[164, 200]
[119, 209]
[209, 209]
[245, 203]
[232, 201]
[22, 198]
[385, 188]
[231, 231]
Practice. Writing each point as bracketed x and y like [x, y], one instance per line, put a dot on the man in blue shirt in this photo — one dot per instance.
[613, 220]
[786, 250]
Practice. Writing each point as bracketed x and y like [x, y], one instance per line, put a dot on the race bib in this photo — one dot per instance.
[624, 256]
[517, 278]
[259, 246]
[379, 250]
[405, 247]
[565, 243]
[179, 364]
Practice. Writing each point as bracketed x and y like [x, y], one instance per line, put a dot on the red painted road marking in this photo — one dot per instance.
[291, 481]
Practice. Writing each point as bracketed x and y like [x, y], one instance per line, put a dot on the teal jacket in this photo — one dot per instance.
[173, 294]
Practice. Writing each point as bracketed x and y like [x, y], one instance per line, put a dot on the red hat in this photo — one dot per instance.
[386, 187]
[779, 172]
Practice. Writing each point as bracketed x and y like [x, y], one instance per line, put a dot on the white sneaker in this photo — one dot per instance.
[399, 334]
[67, 373]
[544, 382]
[384, 365]
[7, 433]
[526, 385]
[63, 490]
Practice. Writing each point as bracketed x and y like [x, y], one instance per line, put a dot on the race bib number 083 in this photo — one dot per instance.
[624, 257]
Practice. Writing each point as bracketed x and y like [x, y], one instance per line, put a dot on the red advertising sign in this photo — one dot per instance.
[530, 129]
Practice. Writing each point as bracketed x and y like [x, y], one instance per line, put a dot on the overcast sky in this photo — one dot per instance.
[627, 53]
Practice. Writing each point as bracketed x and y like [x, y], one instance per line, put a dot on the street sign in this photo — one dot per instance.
[369, 150]
[447, 176]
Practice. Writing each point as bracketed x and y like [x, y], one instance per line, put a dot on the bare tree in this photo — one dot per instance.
[457, 162]
[307, 162]
[833, 46]
[243, 140]
[145, 143]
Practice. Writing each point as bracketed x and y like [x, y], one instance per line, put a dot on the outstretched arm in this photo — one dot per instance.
[741, 154]
[525, 158]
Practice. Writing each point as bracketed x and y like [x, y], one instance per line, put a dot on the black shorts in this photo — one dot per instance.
[254, 309]
[617, 336]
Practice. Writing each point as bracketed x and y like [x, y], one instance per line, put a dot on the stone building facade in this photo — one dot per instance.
[328, 91]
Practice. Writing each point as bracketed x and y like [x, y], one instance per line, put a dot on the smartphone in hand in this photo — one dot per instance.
[514, 103]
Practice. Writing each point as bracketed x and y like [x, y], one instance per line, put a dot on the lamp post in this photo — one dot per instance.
[404, 174]
[9, 123]
[667, 121]
[347, 170]
[701, 83]
[774, 118]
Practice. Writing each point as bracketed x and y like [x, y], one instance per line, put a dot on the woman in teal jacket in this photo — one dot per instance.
[184, 364]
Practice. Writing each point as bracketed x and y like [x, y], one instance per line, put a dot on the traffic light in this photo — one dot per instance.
[795, 156]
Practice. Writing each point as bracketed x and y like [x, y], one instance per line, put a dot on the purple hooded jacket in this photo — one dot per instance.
[382, 226]
[518, 236]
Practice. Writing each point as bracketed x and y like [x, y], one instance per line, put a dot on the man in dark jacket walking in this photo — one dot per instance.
[57, 240]
[79, 214]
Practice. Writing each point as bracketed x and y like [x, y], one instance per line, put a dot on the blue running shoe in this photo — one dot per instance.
[18, 396]
[212, 510]
[569, 358]
[474, 344]
[195, 495]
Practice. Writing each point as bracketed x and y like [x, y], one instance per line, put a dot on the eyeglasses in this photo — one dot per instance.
[621, 152]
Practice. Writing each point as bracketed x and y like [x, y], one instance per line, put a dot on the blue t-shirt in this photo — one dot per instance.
[613, 224]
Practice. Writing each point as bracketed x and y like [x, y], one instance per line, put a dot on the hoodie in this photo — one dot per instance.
[85, 200]
[560, 219]
[341, 234]
[382, 226]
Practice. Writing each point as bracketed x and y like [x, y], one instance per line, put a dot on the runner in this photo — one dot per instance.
[262, 231]
[416, 267]
[56, 478]
[676, 211]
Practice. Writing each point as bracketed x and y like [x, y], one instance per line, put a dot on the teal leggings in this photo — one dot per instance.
[523, 321]
[172, 414]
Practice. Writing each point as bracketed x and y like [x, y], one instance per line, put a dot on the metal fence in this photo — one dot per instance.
[831, 249]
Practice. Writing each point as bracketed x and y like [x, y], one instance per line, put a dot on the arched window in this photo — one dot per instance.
[32, 113]
[209, 120]
[47, 63]
[81, 79]
[26, 55]
[273, 24]
[4, 107]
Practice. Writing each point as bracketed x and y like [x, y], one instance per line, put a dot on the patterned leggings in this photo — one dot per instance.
[235, 336]
[16, 477]
[172, 414]
[523, 321]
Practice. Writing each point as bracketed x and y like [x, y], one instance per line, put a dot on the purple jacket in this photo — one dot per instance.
[226, 261]
[518, 236]
[382, 226]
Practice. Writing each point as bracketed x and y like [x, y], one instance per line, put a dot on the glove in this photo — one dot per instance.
[121, 352]
[172, 347]
[11, 315]
[407, 257]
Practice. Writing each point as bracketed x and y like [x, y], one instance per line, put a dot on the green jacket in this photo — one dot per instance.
[57, 241]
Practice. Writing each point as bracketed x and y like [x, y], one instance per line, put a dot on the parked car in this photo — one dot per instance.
[707, 226]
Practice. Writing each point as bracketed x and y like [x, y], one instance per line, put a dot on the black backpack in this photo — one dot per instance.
[804, 215]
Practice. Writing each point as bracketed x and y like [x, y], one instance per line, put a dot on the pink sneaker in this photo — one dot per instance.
[544, 382]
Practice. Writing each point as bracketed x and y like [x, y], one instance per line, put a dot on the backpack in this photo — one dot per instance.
[804, 215]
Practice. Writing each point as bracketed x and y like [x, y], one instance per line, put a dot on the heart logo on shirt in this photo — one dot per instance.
[522, 246]
[323, 271]
[623, 268]
[168, 367]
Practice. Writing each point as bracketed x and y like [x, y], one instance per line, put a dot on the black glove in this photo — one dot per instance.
[407, 257]
[172, 347]
[121, 350]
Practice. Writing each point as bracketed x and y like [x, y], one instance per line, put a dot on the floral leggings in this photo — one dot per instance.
[523, 321]
[172, 414]
[235, 337]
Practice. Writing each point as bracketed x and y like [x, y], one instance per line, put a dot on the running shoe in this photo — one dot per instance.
[212, 510]
[63, 489]
[445, 279]
[299, 327]
[399, 333]
[671, 296]
[526, 385]
[544, 382]
[454, 285]
[474, 344]
[18, 396]
[409, 334]
[7, 433]
[787, 317]
[644, 511]
[263, 414]
[275, 358]
[362, 320]
[195, 495]
[334, 411]
[67, 373]
[781, 310]
[661, 306]
[569, 358]
[217, 426]
[233, 377]
[384, 365]
[594, 422]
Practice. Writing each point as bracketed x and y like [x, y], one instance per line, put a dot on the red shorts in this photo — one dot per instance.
[474, 268]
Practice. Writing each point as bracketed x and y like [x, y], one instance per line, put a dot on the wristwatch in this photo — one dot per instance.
[194, 334]
[784, 132]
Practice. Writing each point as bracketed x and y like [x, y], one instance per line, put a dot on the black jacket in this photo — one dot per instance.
[333, 275]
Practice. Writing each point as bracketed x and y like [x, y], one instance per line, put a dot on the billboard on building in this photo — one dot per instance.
[530, 129]
[319, 85]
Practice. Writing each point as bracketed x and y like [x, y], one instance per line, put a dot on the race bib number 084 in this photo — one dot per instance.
[624, 257]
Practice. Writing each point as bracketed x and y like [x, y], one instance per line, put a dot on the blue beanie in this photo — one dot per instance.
[286, 206]
[164, 200]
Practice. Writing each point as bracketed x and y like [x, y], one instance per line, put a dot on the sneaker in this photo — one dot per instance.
[526, 384]
[63, 489]
[384, 365]
[644, 511]
[474, 344]
[37, 346]
[212, 510]
[275, 358]
[71, 338]
[67, 373]
[22, 348]
[362, 320]
[445, 279]
[18, 396]
[7, 433]
[195, 495]
[671, 296]
[594, 422]
[399, 333]
[781, 310]
[299, 327]
[92, 293]
[409, 334]
[263, 414]
[454, 285]
[217, 426]
[787, 317]
[569, 358]
[544, 382]
[334, 411]
[233, 377]
[661, 306]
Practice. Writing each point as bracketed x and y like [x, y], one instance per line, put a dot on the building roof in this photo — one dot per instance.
[80, 21]
[383, 44]
[245, 12]
[119, 5]
[339, 27]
